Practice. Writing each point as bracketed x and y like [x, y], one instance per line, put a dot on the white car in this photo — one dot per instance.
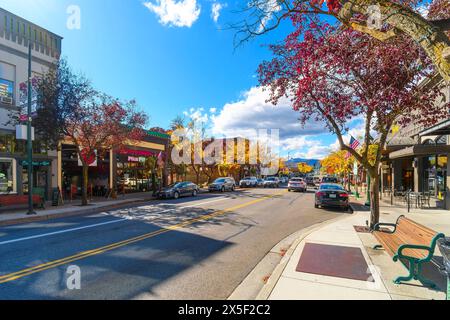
[297, 184]
[271, 182]
[249, 182]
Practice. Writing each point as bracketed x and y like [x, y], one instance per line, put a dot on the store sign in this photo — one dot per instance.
[44, 163]
[137, 153]
[89, 157]
[133, 159]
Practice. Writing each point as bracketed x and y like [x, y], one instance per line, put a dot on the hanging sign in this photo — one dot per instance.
[21, 132]
[89, 157]
[355, 168]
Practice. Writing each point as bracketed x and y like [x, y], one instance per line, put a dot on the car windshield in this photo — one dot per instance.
[297, 180]
[270, 179]
[331, 187]
[220, 180]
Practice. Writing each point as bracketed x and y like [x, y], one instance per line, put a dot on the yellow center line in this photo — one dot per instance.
[85, 254]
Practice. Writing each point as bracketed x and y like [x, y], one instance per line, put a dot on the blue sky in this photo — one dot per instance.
[174, 58]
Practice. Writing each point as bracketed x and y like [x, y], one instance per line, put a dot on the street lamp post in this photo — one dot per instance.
[368, 191]
[29, 139]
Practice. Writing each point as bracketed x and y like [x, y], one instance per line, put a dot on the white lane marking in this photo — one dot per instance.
[98, 224]
[61, 231]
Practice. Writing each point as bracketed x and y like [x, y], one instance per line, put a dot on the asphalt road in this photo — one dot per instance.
[191, 248]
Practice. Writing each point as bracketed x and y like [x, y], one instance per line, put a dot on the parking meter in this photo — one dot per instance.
[444, 247]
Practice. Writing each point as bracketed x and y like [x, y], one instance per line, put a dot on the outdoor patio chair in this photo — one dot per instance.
[425, 198]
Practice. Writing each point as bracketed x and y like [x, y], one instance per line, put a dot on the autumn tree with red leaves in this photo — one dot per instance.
[71, 110]
[335, 75]
[397, 18]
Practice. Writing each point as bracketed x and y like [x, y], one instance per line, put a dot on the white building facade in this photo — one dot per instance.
[15, 36]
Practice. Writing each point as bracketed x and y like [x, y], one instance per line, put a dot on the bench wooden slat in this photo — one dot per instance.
[415, 231]
[407, 232]
[391, 244]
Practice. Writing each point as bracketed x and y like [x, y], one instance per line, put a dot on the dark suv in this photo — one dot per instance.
[330, 180]
[179, 189]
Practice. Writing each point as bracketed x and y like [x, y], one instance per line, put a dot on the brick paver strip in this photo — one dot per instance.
[334, 261]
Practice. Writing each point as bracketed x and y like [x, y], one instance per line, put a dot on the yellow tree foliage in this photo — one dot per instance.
[338, 163]
[304, 168]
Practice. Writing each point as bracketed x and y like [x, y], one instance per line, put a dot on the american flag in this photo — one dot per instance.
[354, 144]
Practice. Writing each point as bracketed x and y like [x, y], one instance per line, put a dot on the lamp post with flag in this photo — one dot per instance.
[354, 144]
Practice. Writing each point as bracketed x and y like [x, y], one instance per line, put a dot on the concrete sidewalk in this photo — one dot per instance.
[73, 208]
[289, 284]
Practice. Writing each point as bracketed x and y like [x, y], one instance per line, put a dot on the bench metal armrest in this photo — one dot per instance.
[378, 225]
[403, 247]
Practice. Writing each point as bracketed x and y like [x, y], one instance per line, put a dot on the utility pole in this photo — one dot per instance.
[29, 139]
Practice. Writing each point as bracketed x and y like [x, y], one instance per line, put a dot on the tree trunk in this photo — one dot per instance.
[429, 36]
[374, 197]
[84, 199]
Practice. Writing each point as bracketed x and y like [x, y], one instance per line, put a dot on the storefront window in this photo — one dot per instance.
[441, 174]
[134, 174]
[429, 181]
[9, 144]
[435, 173]
[6, 91]
[6, 176]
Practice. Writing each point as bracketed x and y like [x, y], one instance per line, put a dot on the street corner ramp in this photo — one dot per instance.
[334, 261]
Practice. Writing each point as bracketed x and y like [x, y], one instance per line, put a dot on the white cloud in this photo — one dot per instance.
[269, 8]
[317, 151]
[215, 10]
[198, 115]
[213, 110]
[253, 112]
[181, 13]
[423, 10]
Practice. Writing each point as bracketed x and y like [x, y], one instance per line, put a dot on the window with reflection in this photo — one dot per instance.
[6, 176]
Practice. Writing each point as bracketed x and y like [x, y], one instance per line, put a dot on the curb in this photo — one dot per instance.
[266, 290]
[80, 212]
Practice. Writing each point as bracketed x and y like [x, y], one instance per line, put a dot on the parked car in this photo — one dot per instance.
[310, 181]
[222, 185]
[271, 182]
[179, 189]
[260, 183]
[331, 195]
[297, 184]
[284, 179]
[330, 180]
[249, 182]
[317, 182]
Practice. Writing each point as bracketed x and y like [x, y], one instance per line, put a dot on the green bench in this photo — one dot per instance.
[411, 241]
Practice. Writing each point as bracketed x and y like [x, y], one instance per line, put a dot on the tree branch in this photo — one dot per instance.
[380, 35]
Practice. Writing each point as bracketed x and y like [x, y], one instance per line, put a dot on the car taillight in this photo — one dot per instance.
[321, 194]
[344, 195]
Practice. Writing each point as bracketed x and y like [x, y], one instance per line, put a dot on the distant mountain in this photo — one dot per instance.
[310, 162]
